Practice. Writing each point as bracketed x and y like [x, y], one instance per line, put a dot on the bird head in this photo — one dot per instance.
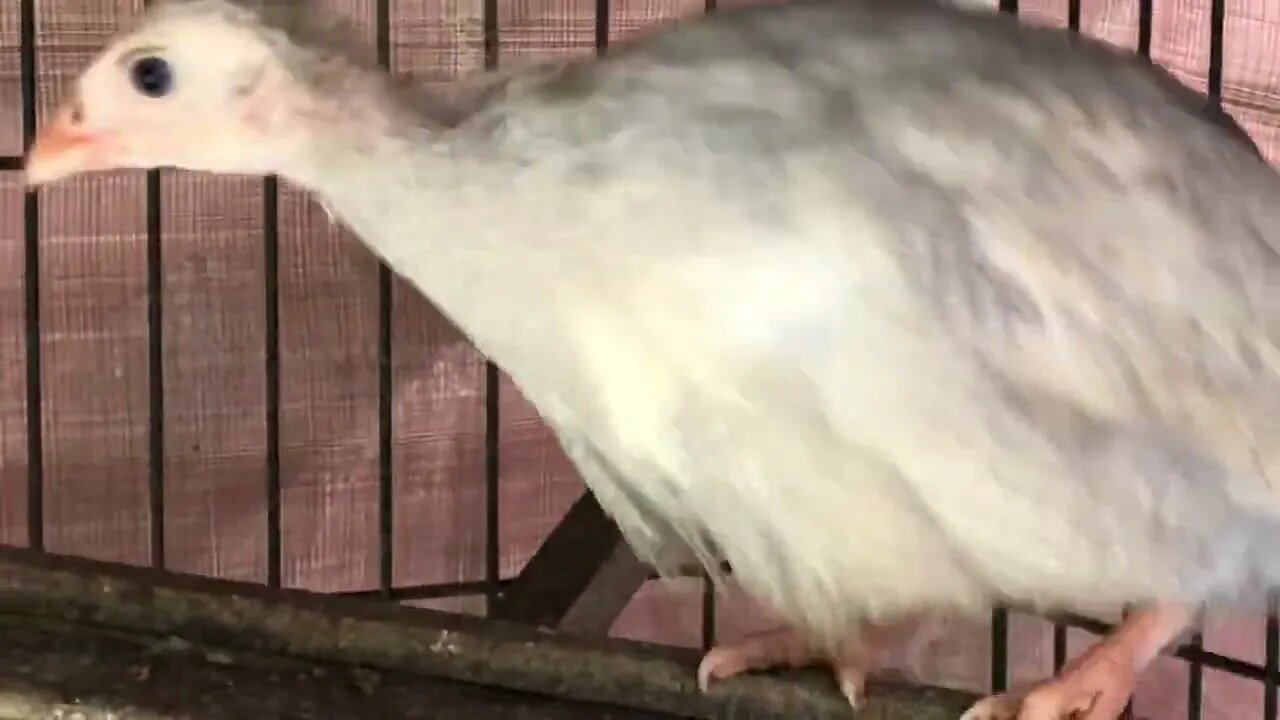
[230, 86]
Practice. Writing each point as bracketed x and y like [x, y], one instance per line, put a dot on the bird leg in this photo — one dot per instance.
[1098, 684]
[788, 648]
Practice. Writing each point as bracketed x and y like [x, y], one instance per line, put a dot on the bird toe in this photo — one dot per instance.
[717, 664]
[851, 678]
[995, 707]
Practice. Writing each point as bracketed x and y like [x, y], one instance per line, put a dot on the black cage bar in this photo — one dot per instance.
[492, 585]
[492, 391]
[31, 289]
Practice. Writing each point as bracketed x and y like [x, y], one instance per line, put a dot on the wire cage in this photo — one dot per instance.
[492, 437]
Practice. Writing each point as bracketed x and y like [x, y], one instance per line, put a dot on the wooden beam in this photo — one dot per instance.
[228, 621]
[580, 579]
[59, 669]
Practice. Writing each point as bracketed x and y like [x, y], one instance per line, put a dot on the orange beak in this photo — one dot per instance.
[62, 149]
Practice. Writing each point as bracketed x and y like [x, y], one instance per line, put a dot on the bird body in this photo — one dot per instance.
[857, 351]
[893, 306]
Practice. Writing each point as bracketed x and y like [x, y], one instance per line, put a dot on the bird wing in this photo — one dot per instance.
[1046, 369]
[997, 317]
[1061, 399]
[1076, 342]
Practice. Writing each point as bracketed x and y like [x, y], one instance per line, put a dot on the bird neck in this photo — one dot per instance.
[423, 202]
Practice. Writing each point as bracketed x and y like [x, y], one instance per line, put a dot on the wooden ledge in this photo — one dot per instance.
[85, 609]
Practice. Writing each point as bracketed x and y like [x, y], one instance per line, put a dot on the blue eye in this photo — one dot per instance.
[152, 77]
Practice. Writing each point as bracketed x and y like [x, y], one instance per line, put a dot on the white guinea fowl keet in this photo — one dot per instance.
[897, 308]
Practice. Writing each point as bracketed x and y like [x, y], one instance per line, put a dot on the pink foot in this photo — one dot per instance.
[1098, 684]
[787, 648]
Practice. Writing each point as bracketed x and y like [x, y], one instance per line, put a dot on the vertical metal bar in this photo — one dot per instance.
[492, 473]
[708, 588]
[1270, 706]
[708, 613]
[1073, 15]
[1217, 22]
[1127, 712]
[490, 34]
[492, 392]
[1195, 682]
[999, 650]
[1145, 12]
[492, 399]
[155, 369]
[386, 435]
[31, 270]
[1059, 647]
[602, 26]
[271, 272]
[271, 275]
